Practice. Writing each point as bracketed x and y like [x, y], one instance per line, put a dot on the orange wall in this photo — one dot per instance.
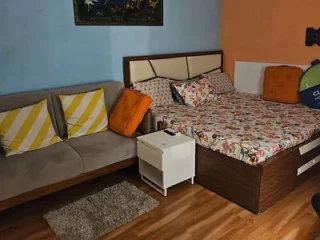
[268, 31]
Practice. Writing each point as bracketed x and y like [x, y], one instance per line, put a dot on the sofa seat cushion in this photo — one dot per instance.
[102, 149]
[31, 170]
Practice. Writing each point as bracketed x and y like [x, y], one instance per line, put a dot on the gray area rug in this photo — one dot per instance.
[93, 216]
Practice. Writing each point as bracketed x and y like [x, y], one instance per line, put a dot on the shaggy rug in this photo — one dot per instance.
[93, 216]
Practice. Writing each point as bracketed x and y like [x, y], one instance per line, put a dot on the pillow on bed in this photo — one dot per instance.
[281, 84]
[205, 91]
[175, 93]
[220, 82]
[187, 92]
[158, 89]
[194, 93]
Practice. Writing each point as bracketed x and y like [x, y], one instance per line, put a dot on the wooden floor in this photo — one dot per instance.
[189, 212]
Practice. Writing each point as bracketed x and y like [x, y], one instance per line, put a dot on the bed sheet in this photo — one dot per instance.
[242, 125]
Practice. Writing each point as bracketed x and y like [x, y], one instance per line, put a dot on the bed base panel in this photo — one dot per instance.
[234, 180]
[255, 188]
[278, 176]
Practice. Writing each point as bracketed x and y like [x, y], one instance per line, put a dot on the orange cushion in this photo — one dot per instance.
[129, 112]
[281, 84]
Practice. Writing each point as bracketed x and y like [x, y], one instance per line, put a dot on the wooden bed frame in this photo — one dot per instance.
[255, 188]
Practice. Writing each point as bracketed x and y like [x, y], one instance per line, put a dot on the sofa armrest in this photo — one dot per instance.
[145, 126]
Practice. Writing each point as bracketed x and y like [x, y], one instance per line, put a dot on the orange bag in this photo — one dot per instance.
[281, 84]
[129, 112]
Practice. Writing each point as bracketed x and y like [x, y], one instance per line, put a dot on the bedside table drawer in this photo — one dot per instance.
[150, 155]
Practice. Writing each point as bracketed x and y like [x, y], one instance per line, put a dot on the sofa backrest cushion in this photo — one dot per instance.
[112, 91]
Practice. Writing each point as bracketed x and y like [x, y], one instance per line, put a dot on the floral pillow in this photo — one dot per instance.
[187, 92]
[205, 91]
[220, 82]
[158, 89]
[175, 93]
[195, 93]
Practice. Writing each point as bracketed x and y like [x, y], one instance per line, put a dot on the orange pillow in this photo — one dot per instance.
[281, 84]
[129, 112]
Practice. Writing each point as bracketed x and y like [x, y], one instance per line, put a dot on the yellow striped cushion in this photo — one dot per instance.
[26, 129]
[85, 113]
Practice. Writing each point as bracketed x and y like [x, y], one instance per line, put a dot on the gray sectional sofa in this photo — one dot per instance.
[24, 177]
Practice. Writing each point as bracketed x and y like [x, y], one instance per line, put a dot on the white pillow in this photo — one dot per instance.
[158, 89]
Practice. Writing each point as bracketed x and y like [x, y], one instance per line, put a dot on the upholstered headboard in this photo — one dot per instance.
[179, 66]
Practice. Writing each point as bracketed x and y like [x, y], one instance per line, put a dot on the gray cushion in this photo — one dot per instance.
[145, 127]
[10, 102]
[28, 171]
[101, 149]
[112, 91]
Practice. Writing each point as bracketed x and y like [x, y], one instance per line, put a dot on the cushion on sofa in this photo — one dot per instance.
[129, 112]
[85, 113]
[281, 84]
[102, 149]
[31, 170]
[112, 91]
[9, 102]
[26, 129]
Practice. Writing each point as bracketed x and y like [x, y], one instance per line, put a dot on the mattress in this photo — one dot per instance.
[242, 125]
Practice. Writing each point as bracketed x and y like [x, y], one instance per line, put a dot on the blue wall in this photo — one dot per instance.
[40, 46]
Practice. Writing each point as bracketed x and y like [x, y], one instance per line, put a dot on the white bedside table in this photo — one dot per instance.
[166, 160]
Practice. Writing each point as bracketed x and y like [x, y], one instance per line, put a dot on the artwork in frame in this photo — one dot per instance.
[118, 12]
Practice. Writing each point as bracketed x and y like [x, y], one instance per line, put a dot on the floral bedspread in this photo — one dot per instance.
[242, 125]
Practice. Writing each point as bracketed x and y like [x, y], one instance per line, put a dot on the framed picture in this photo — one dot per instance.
[118, 12]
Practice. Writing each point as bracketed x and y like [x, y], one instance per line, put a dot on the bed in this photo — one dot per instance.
[250, 151]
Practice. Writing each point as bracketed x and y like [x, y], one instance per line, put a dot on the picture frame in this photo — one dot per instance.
[118, 12]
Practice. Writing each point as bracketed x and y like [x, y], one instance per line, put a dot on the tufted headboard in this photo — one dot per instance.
[178, 66]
